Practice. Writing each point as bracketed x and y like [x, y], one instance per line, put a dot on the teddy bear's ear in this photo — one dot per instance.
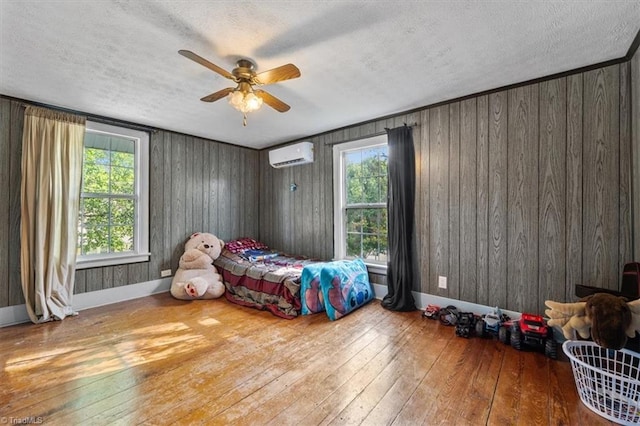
[221, 243]
[195, 234]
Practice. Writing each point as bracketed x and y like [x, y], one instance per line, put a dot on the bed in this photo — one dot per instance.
[287, 286]
[257, 277]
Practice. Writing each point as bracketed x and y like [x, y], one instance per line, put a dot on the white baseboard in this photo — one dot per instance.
[11, 315]
[18, 314]
[423, 299]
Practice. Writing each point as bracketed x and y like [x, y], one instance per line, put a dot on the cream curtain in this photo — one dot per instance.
[52, 147]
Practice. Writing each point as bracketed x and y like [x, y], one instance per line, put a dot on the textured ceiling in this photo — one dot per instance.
[359, 59]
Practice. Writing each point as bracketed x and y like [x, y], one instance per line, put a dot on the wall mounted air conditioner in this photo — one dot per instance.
[291, 155]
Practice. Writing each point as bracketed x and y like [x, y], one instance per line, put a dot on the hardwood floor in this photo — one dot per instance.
[157, 360]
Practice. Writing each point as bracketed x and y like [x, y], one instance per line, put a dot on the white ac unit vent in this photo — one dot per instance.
[291, 155]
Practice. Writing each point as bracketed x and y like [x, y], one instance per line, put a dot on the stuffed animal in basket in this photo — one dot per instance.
[197, 278]
[607, 318]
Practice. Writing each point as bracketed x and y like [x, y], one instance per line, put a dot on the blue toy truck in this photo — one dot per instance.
[491, 323]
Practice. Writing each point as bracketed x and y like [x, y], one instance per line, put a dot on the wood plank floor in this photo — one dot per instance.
[157, 360]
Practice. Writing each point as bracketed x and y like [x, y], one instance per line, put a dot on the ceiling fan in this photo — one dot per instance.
[244, 97]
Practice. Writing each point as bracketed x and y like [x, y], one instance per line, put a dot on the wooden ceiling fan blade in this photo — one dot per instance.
[285, 72]
[272, 101]
[217, 95]
[202, 61]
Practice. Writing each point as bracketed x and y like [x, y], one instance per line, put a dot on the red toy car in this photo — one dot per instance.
[530, 330]
[431, 312]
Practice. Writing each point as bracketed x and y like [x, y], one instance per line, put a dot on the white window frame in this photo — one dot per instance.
[140, 251]
[340, 197]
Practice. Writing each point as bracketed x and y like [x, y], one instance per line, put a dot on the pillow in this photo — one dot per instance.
[345, 287]
[242, 244]
[231, 256]
[310, 290]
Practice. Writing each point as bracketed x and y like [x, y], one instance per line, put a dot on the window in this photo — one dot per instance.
[114, 206]
[360, 191]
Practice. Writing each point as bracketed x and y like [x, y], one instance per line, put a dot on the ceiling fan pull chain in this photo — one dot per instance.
[244, 119]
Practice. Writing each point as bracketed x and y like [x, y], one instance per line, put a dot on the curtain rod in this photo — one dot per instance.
[405, 125]
[369, 135]
[91, 117]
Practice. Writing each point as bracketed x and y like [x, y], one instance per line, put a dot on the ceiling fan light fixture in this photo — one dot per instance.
[244, 101]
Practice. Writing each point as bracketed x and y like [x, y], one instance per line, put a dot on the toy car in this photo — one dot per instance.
[490, 323]
[431, 312]
[465, 324]
[448, 315]
[530, 330]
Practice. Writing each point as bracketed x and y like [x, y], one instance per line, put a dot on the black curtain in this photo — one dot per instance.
[401, 201]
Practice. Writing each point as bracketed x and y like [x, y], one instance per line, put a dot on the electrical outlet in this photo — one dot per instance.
[442, 282]
[165, 273]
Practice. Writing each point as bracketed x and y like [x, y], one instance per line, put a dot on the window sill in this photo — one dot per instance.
[377, 269]
[112, 260]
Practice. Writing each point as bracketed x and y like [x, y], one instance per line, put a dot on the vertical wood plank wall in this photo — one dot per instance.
[195, 185]
[635, 149]
[11, 124]
[520, 194]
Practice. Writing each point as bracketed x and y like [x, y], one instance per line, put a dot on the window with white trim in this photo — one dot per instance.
[114, 199]
[360, 200]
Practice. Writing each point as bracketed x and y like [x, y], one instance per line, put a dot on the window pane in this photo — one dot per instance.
[382, 253]
[370, 221]
[384, 185]
[123, 159]
[371, 189]
[355, 191]
[367, 233]
[96, 156]
[383, 223]
[122, 180]
[354, 220]
[382, 195]
[121, 239]
[95, 178]
[122, 211]
[353, 159]
[372, 156]
[366, 175]
[95, 211]
[95, 240]
[353, 245]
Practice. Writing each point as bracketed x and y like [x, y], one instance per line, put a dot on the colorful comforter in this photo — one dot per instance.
[270, 282]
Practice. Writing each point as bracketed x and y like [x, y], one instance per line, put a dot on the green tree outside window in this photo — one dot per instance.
[107, 206]
[366, 203]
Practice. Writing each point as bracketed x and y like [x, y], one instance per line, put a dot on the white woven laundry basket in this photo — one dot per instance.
[608, 381]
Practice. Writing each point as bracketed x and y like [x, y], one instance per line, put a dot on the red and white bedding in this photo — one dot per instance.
[257, 277]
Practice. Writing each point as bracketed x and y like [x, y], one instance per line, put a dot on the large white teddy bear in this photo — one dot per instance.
[197, 278]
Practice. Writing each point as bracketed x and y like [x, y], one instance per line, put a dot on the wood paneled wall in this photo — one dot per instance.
[635, 149]
[298, 221]
[521, 193]
[195, 185]
[11, 124]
